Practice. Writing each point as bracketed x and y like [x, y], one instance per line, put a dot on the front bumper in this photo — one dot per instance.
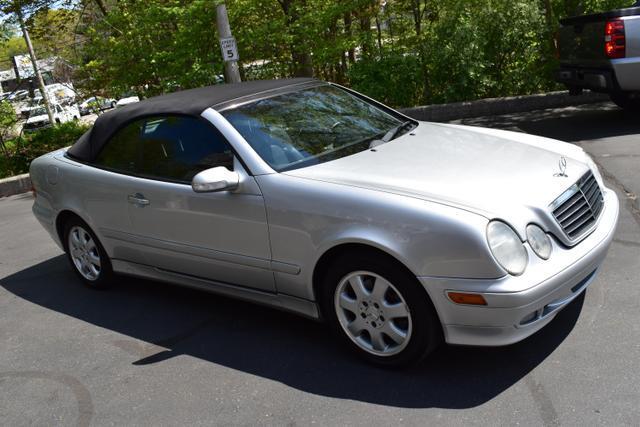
[518, 306]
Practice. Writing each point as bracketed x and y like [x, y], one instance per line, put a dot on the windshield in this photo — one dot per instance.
[39, 111]
[310, 126]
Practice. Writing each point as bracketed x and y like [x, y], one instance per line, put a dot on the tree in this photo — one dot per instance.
[8, 120]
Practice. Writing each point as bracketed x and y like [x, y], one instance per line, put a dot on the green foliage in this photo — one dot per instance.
[9, 48]
[404, 52]
[23, 149]
[393, 79]
[151, 47]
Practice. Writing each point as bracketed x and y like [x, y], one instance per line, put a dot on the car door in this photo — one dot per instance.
[219, 236]
[104, 187]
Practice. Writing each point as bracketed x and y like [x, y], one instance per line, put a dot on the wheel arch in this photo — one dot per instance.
[333, 253]
[62, 218]
[341, 249]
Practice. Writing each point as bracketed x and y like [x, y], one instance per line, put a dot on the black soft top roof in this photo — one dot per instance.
[190, 102]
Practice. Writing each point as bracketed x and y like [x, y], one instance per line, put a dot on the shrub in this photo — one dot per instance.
[23, 149]
[395, 80]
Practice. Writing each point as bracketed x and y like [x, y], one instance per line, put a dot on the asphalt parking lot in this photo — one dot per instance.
[145, 353]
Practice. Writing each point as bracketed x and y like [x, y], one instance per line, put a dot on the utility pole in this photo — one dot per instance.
[227, 45]
[36, 70]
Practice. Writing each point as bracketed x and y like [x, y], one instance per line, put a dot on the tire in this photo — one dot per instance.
[574, 90]
[410, 330]
[626, 100]
[86, 255]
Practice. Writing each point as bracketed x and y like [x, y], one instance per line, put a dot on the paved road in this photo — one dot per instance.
[150, 354]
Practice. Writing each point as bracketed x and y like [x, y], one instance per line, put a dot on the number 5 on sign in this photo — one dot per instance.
[229, 49]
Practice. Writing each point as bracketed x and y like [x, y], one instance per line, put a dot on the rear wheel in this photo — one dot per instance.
[626, 100]
[86, 255]
[380, 310]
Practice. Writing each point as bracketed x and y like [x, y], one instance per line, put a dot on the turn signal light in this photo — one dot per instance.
[614, 39]
[469, 299]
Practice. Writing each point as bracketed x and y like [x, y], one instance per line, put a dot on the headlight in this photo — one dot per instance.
[539, 241]
[506, 247]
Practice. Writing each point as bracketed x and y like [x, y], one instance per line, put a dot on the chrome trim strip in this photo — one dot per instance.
[283, 267]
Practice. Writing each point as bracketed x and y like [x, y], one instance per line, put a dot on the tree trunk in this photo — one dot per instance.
[553, 30]
[347, 30]
[36, 70]
[302, 66]
[101, 6]
[417, 16]
[379, 33]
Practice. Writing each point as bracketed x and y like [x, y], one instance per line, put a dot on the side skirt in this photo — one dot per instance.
[280, 301]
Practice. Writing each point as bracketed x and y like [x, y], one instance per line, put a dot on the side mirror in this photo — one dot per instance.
[215, 179]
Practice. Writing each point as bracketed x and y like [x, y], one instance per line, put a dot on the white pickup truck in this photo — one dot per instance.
[601, 52]
[38, 118]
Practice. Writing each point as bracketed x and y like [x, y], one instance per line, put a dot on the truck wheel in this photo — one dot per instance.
[574, 90]
[626, 100]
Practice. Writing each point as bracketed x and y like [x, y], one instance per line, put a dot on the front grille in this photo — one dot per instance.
[578, 208]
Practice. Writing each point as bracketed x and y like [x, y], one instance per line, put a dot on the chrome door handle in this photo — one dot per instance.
[137, 199]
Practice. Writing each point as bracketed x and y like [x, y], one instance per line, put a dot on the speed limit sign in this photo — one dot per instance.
[229, 49]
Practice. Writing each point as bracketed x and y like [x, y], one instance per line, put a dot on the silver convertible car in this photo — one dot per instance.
[310, 197]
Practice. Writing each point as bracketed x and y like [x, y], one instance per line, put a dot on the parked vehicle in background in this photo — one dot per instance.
[38, 118]
[127, 100]
[601, 52]
[59, 93]
[96, 104]
[19, 95]
[27, 106]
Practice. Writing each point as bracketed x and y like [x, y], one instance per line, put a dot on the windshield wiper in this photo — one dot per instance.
[396, 131]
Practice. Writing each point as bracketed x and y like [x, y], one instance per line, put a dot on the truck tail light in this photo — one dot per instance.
[614, 39]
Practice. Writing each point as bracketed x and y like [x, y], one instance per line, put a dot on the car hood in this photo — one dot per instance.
[491, 172]
[38, 119]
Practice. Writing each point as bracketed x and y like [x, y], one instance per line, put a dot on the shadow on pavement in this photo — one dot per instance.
[166, 321]
[584, 122]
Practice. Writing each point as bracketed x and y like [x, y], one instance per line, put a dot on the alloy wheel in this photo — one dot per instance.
[84, 253]
[373, 313]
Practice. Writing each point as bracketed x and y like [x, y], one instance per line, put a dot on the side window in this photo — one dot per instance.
[122, 152]
[177, 148]
[169, 148]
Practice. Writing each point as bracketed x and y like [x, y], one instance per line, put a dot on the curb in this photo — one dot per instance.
[15, 185]
[499, 106]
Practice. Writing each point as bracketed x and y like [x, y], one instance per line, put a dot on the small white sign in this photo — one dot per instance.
[24, 68]
[229, 49]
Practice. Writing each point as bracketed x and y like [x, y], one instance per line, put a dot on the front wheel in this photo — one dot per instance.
[626, 100]
[380, 310]
[86, 255]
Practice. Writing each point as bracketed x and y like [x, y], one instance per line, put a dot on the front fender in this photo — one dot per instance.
[307, 218]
